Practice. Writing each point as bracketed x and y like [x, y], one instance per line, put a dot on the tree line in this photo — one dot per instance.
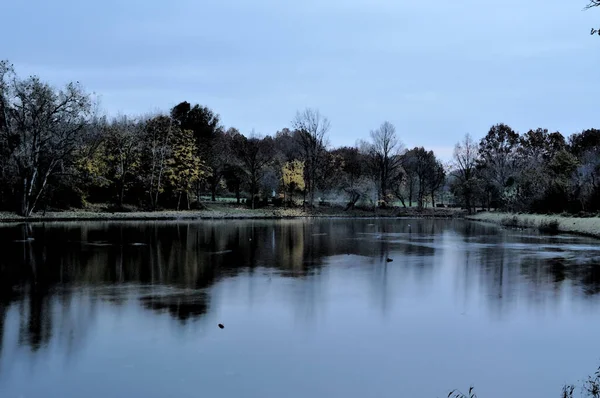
[539, 171]
[57, 152]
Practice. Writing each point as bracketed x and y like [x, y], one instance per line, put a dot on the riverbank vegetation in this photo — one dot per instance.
[574, 224]
[57, 153]
[229, 211]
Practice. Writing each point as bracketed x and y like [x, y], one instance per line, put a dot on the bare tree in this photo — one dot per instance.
[312, 128]
[385, 152]
[466, 154]
[158, 133]
[41, 127]
[407, 186]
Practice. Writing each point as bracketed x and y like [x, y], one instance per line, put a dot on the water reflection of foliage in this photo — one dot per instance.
[510, 264]
[186, 256]
[43, 274]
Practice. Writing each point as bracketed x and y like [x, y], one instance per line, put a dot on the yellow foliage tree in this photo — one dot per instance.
[184, 168]
[293, 178]
[91, 164]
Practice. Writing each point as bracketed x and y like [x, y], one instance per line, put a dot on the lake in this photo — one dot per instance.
[310, 308]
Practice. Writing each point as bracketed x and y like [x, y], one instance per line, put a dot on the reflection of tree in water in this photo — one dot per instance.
[59, 259]
[179, 306]
[586, 274]
[186, 258]
[37, 329]
[510, 265]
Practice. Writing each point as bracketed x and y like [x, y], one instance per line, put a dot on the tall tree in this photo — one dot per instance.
[537, 148]
[287, 145]
[234, 176]
[585, 146]
[563, 188]
[385, 150]
[312, 130]
[436, 176]
[465, 158]
[123, 140]
[40, 128]
[409, 183]
[208, 133]
[254, 154]
[156, 150]
[185, 168]
[351, 179]
[428, 171]
[585, 141]
[498, 152]
[292, 179]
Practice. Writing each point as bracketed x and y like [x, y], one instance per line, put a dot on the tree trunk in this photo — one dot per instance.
[121, 192]
[151, 190]
[37, 197]
[468, 203]
[353, 200]
[383, 188]
[178, 200]
[197, 191]
[24, 202]
[157, 188]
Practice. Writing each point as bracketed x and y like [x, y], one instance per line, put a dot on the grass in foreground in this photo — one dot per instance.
[589, 388]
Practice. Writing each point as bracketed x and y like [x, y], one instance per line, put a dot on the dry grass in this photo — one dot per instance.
[589, 226]
[588, 388]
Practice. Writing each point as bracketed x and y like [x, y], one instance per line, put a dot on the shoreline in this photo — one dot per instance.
[228, 212]
[581, 226]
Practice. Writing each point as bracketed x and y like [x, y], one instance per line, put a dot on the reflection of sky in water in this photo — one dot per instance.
[308, 310]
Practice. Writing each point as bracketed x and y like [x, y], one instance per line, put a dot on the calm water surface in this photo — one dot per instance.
[310, 308]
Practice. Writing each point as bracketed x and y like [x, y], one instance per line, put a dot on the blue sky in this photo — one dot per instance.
[436, 69]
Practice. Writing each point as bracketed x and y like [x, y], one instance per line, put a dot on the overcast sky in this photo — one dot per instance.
[436, 69]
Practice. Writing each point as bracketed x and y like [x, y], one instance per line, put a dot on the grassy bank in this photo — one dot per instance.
[229, 211]
[588, 226]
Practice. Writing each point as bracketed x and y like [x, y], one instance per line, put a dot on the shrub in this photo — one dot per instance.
[549, 227]
[510, 221]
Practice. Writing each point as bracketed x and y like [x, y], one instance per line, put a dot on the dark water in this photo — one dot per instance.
[310, 308]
